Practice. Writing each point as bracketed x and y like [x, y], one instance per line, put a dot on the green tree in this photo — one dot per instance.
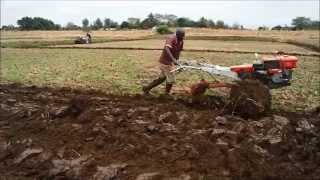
[134, 23]
[85, 24]
[185, 22]
[36, 23]
[26, 23]
[114, 24]
[278, 28]
[211, 23]
[301, 22]
[149, 22]
[8, 28]
[171, 19]
[220, 24]
[315, 25]
[124, 25]
[203, 22]
[107, 23]
[72, 26]
[97, 24]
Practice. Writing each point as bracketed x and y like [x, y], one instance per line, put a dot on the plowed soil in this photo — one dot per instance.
[72, 134]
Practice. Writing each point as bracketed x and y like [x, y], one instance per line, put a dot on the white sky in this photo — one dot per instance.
[248, 13]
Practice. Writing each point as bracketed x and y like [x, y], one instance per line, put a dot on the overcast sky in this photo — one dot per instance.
[249, 13]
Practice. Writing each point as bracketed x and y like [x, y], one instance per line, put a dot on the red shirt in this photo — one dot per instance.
[175, 47]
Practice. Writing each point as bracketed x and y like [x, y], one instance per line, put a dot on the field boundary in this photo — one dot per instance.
[186, 50]
[40, 44]
[37, 44]
[251, 38]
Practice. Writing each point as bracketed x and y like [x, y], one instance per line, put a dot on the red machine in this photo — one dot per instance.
[250, 94]
[274, 72]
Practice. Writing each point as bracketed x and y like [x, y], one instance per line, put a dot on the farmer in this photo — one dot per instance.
[169, 58]
[89, 37]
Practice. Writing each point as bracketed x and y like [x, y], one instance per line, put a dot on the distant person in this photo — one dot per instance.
[89, 37]
[169, 57]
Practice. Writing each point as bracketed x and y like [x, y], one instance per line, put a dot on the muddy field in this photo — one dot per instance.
[71, 134]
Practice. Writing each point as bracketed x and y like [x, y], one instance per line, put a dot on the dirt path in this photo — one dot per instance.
[71, 134]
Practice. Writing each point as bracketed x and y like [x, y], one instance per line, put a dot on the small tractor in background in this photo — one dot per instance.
[250, 91]
[83, 40]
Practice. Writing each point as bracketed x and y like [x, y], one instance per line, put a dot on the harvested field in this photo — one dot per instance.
[61, 133]
[303, 38]
[254, 46]
[22, 35]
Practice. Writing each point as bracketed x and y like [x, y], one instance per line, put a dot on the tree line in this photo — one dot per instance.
[298, 23]
[152, 20]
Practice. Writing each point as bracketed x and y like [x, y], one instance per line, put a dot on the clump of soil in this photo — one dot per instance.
[250, 98]
[72, 134]
[200, 88]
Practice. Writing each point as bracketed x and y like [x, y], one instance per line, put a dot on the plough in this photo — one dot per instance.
[252, 82]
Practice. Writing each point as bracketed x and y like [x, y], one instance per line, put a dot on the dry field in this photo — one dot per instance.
[218, 45]
[304, 38]
[62, 35]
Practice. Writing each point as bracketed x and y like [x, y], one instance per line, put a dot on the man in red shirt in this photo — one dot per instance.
[168, 58]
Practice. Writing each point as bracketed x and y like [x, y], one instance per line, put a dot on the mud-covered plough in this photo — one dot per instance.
[251, 82]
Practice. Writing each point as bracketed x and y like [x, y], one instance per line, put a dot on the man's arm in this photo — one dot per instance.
[174, 60]
[180, 50]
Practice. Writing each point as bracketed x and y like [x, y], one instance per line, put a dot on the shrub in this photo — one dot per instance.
[163, 29]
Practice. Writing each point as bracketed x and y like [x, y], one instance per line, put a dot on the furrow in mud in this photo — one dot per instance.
[63, 133]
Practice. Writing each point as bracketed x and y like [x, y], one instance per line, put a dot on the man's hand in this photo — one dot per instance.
[175, 61]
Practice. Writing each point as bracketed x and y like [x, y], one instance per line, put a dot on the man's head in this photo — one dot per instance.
[180, 34]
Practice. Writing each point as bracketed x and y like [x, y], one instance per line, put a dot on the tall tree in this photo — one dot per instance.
[85, 23]
[168, 19]
[171, 19]
[301, 22]
[133, 22]
[220, 24]
[315, 25]
[203, 22]
[211, 23]
[149, 22]
[72, 26]
[97, 24]
[185, 22]
[107, 23]
[114, 24]
[36, 23]
[124, 25]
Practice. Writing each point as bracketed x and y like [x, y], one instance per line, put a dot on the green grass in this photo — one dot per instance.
[123, 71]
